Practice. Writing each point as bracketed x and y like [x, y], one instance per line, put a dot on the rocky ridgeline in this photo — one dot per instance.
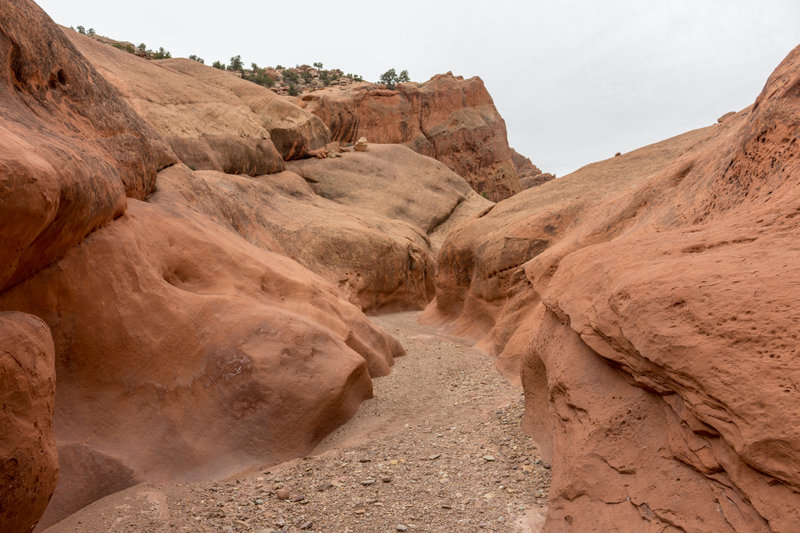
[465, 131]
[281, 80]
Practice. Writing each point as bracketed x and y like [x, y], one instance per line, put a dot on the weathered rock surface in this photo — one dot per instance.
[28, 460]
[449, 118]
[213, 120]
[529, 174]
[185, 352]
[71, 149]
[395, 182]
[653, 314]
[372, 229]
[378, 264]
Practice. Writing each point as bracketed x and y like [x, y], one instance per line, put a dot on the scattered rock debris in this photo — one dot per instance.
[423, 456]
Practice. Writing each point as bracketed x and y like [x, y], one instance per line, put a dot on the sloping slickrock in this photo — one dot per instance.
[184, 352]
[480, 289]
[379, 264]
[28, 460]
[395, 182]
[657, 333]
[449, 118]
[213, 119]
[71, 149]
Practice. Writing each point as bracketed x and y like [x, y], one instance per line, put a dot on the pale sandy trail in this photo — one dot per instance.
[439, 449]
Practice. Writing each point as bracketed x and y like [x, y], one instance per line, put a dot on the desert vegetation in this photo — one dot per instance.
[391, 78]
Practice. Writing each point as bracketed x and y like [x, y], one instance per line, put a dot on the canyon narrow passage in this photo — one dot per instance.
[439, 449]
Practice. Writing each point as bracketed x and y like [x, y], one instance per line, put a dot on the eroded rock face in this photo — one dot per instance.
[449, 118]
[378, 263]
[185, 352]
[71, 149]
[529, 174]
[213, 119]
[395, 182]
[654, 326]
[372, 230]
[28, 459]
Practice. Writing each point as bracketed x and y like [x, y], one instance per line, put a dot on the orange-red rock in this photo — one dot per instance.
[371, 232]
[529, 174]
[28, 460]
[184, 352]
[213, 119]
[377, 263]
[71, 150]
[652, 312]
[447, 117]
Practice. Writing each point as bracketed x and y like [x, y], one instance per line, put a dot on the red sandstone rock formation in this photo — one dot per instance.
[372, 232]
[70, 149]
[377, 263]
[28, 460]
[529, 174]
[182, 351]
[185, 352]
[397, 183]
[449, 118]
[650, 306]
[213, 120]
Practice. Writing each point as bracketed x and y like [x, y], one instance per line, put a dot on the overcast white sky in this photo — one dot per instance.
[576, 81]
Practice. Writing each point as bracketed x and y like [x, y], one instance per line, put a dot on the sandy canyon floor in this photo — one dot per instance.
[439, 449]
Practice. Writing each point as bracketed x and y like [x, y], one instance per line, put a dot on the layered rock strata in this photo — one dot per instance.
[448, 118]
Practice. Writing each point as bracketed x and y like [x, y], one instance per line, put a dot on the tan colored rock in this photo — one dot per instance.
[371, 227]
[28, 460]
[211, 118]
[184, 352]
[395, 182]
[447, 117]
[360, 145]
[377, 263]
[650, 302]
[71, 150]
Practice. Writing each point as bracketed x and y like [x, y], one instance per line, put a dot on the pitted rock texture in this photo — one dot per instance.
[185, 352]
[71, 149]
[449, 118]
[28, 459]
[649, 308]
[213, 119]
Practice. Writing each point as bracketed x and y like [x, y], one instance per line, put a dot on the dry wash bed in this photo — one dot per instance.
[438, 449]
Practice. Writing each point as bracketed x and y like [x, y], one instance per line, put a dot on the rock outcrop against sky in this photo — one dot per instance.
[648, 303]
[449, 118]
[212, 119]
